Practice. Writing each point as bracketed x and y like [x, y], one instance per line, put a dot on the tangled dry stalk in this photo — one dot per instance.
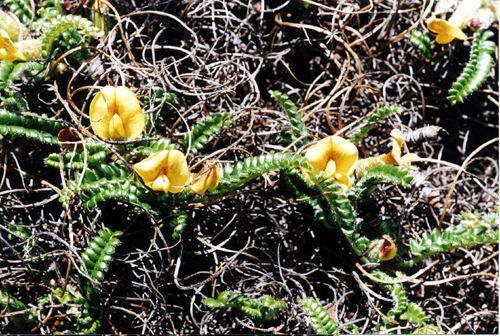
[338, 61]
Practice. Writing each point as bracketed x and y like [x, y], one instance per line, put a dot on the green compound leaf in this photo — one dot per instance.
[232, 177]
[298, 128]
[15, 102]
[148, 148]
[75, 160]
[397, 292]
[24, 321]
[295, 186]
[414, 314]
[70, 39]
[99, 253]
[382, 173]
[321, 321]
[262, 308]
[423, 43]
[202, 132]
[21, 8]
[96, 154]
[89, 323]
[32, 70]
[453, 237]
[370, 121]
[177, 223]
[339, 204]
[52, 28]
[476, 71]
[6, 68]
[471, 231]
[37, 129]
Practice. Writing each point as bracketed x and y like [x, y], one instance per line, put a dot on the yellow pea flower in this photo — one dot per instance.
[115, 113]
[446, 32]
[394, 157]
[382, 249]
[335, 156]
[449, 30]
[8, 50]
[206, 179]
[165, 171]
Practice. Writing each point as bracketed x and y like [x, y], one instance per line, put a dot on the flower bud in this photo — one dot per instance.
[382, 249]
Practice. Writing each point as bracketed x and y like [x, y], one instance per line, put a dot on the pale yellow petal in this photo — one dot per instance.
[101, 111]
[214, 178]
[207, 179]
[11, 26]
[410, 157]
[116, 128]
[345, 155]
[367, 164]
[177, 171]
[10, 51]
[343, 180]
[31, 49]
[129, 109]
[319, 154]
[149, 169]
[446, 32]
[330, 168]
[161, 183]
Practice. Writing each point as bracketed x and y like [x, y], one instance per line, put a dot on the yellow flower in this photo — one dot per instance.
[207, 179]
[165, 171]
[394, 157]
[9, 51]
[382, 249]
[446, 32]
[335, 156]
[115, 113]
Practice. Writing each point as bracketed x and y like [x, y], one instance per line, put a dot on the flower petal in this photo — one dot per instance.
[129, 110]
[161, 184]
[116, 128]
[206, 179]
[345, 155]
[333, 148]
[11, 26]
[177, 171]
[102, 110]
[149, 169]
[445, 30]
[10, 51]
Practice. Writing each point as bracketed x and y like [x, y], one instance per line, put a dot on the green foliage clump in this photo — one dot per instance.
[423, 43]
[262, 308]
[21, 8]
[298, 128]
[43, 129]
[476, 70]
[368, 122]
[321, 321]
[100, 253]
[202, 132]
[23, 321]
[244, 171]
